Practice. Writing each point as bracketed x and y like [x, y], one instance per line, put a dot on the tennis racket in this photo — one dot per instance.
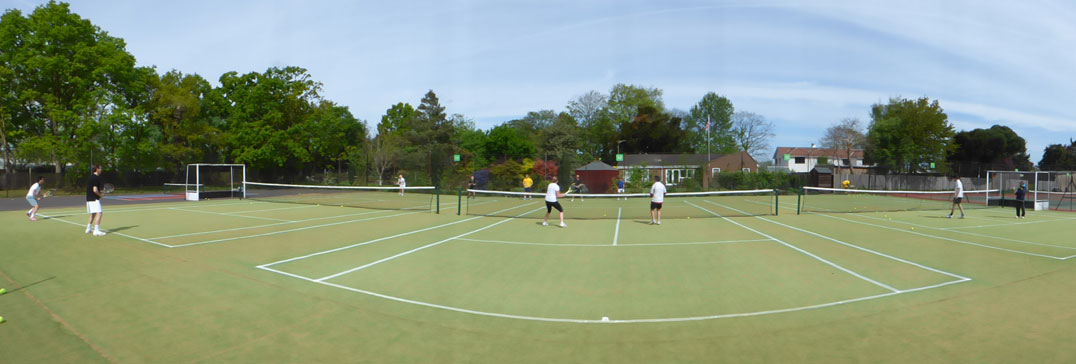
[48, 193]
[109, 188]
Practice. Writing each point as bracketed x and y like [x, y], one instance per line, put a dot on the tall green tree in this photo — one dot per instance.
[908, 135]
[397, 119]
[265, 114]
[70, 76]
[716, 110]
[653, 131]
[1059, 157]
[596, 128]
[506, 142]
[429, 137]
[175, 109]
[997, 145]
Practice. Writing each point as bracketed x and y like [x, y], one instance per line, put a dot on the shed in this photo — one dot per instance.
[598, 177]
[822, 176]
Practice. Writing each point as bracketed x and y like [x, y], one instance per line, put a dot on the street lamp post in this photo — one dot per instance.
[618, 145]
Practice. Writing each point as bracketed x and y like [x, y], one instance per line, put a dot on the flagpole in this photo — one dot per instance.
[707, 139]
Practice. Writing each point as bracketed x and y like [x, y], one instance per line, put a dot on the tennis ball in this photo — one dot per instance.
[2, 290]
[689, 217]
[1, 319]
[913, 227]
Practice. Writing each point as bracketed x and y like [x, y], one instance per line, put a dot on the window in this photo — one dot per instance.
[715, 171]
[844, 162]
[801, 160]
[675, 176]
[747, 169]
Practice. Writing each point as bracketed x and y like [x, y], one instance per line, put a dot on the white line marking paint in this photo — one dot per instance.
[616, 233]
[853, 245]
[422, 247]
[376, 240]
[267, 225]
[110, 232]
[606, 246]
[293, 230]
[832, 264]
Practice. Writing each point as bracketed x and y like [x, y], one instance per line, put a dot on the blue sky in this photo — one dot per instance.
[802, 66]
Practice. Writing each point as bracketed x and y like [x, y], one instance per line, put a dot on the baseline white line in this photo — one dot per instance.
[584, 321]
[962, 278]
[606, 246]
[422, 247]
[110, 232]
[1010, 224]
[835, 265]
[377, 240]
[942, 238]
[268, 225]
[276, 209]
[616, 233]
[227, 214]
[293, 230]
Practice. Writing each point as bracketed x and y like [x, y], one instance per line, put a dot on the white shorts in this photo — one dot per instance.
[93, 207]
[619, 190]
[32, 200]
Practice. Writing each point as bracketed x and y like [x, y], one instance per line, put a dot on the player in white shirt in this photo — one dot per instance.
[958, 198]
[657, 197]
[32, 196]
[403, 183]
[551, 194]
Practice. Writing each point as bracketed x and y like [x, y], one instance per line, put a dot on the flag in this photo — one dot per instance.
[707, 124]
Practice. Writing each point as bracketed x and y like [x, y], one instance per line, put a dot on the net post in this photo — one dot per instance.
[776, 202]
[437, 194]
[799, 201]
[459, 200]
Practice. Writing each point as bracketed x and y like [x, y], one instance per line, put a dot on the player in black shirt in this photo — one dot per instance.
[94, 189]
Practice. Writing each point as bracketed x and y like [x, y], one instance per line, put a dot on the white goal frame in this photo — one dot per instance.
[192, 191]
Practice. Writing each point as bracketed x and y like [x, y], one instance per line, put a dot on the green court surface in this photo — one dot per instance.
[241, 281]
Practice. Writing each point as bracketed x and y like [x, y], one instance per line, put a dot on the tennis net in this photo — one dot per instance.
[625, 206]
[381, 198]
[820, 199]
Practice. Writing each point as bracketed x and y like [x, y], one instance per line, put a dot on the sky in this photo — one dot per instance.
[802, 65]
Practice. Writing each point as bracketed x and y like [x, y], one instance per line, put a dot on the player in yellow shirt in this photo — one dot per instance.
[527, 184]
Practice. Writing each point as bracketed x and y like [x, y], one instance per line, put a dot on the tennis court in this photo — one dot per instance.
[310, 277]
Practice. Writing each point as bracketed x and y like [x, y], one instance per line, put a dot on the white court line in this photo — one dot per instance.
[267, 225]
[974, 234]
[118, 210]
[377, 240]
[1010, 224]
[292, 230]
[606, 246]
[832, 264]
[109, 232]
[276, 209]
[944, 238]
[422, 247]
[962, 278]
[616, 233]
[227, 214]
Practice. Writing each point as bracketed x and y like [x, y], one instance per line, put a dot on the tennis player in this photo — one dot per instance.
[657, 198]
[473, 184]
[620, 187]
[402, 182]
[577, 186]
[527, 183]
[958, 198]
[551, 195]
[34, 195]
[94, 188]
[1021, 192]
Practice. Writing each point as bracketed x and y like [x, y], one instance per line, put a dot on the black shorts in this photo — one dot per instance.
[550, 205]
[958, 200]
[655, 205]
[526, 189]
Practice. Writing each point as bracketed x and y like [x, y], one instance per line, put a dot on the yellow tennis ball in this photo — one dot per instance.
[1, 319]
[689, 217]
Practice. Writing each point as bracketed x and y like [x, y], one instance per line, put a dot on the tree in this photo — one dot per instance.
[397, 119]
[597, 129]
[430, 133]
[1059, 157]
[752, 133]
[175, 110]
[997, 145]
[846, 135]
[470, 141]
[68, 74]
[383, 150]
[653, 131]
[561, 140]
[507, 143]
[717, 111]
[908, 135]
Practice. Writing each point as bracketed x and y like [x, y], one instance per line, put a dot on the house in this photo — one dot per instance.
[674, 168]
[803, 160]
[598, 177]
